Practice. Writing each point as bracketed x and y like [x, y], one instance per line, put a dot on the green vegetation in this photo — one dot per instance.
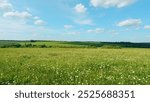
[59, 66]
[69, 44]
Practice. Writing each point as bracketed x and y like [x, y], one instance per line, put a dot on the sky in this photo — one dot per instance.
[75, 20]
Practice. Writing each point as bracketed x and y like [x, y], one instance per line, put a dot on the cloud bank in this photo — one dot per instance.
[111, 3]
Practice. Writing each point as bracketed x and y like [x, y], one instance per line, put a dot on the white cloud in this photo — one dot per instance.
[147, 27]
[84, 21]
[97, 30]
[68, 26]
[5, 5]
[39, 22]
[111, 3]
[36, 17]
[17, 25]
[81, 15]
[16, 14]
[130, 23]
[17, 29]
[80, 8]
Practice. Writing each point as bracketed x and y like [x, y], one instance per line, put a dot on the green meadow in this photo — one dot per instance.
[79, 64]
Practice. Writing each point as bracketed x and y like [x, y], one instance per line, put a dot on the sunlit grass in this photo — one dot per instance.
[59, 66]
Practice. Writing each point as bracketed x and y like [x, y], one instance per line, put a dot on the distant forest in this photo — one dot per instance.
[69, 44]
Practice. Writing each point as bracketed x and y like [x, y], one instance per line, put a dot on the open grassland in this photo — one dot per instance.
[59, 66]
[69, 44]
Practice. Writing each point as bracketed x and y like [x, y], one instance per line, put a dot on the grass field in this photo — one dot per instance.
[69, 44]
[69, 66]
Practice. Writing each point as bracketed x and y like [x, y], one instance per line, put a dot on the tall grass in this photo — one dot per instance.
[60, 66]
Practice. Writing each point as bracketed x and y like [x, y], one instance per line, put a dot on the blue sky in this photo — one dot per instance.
[75, 20]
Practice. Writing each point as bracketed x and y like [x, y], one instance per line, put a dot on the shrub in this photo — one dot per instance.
[42, 46]
[111, 46]
[28, 45]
